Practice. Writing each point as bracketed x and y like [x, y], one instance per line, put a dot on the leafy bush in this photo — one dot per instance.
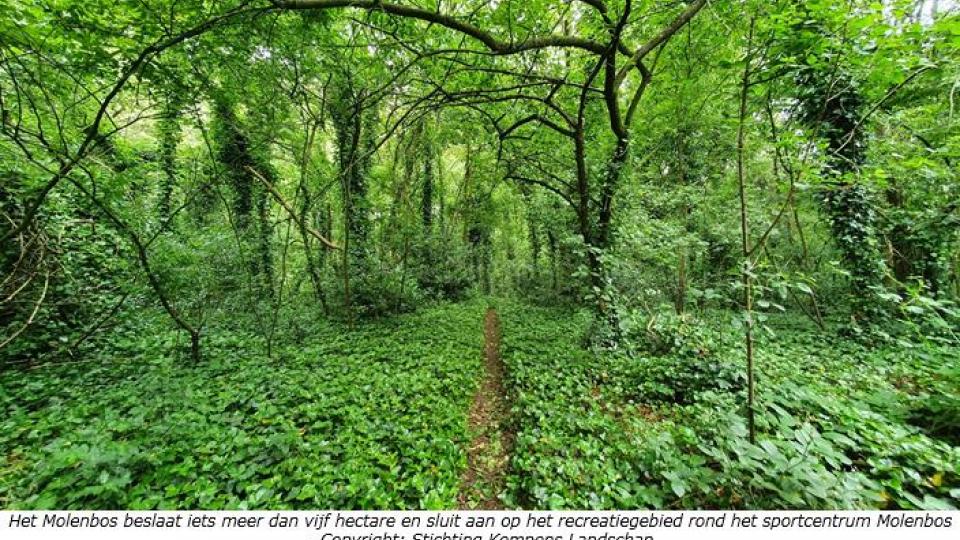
[685, 359]
[938, 412]
[378, 287]
[682, 379]
[77, 275]
[442, 272]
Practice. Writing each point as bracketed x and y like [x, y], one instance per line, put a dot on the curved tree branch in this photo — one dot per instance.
[93, 136]
[489, 40]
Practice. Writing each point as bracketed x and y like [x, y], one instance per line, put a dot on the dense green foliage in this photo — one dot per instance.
[366, 418]
[605, 430]
[243, 245]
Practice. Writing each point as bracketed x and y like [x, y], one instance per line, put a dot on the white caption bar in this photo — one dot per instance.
[520, 525]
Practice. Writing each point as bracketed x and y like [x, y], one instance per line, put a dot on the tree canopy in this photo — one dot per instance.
[667, 170]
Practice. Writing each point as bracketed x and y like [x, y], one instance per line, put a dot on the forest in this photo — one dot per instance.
[479, 254]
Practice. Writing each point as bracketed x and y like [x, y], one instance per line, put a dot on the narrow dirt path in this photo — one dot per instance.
[489, 451]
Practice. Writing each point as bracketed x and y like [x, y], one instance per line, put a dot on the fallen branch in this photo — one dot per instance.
[36, 308]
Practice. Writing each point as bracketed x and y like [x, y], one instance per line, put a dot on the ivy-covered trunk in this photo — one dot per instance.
[353, 121]
[168, 137]
[832, 106]
[239, 162]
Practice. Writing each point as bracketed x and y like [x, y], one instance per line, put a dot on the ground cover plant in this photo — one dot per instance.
[604, 430]
[368, 418]
[479, 254]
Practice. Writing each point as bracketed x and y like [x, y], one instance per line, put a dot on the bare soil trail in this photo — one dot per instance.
[489, 453]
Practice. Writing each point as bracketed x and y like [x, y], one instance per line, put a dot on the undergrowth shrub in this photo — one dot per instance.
[938, 412]
[679, 358]
[441, 269]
